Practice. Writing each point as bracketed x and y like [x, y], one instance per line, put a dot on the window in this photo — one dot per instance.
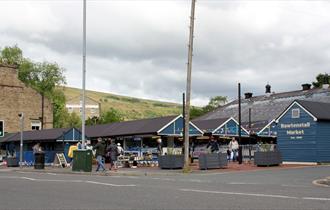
[295, 113]
[35, 125]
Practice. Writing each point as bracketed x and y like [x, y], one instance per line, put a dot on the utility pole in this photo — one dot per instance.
[21, 117]
[188, 88]
[84, 78]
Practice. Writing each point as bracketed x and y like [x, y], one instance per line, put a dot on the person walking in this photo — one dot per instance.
[100, 153]
[233, 147]
[112, 151]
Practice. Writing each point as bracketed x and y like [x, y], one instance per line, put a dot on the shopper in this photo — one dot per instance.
[112, 152]
[36, 148]
[214, 146]
[100, 154]
[233, 147]
[120, 149]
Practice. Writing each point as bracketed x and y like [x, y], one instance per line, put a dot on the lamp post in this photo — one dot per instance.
[250, 132]
[239, 125]
[21, 117]
[84, 78]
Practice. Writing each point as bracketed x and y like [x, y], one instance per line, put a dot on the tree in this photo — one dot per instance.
[112, 115]
[11, 55]
[321, 79]
[196, 112]
[72, 120]
[60, 113]
[214, 103]
[43, 77]
[93, 120]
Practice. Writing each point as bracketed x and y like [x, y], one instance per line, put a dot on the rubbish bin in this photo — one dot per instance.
[82, 160]
[12, 162]
[39, 160]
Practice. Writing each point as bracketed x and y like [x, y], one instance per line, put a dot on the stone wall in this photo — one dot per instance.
[16, 97]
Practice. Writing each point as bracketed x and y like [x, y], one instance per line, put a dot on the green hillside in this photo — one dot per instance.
[130, 108]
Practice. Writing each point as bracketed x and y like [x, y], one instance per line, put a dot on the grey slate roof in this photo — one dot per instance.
[209, 125]
[320, 110]
[136, 127]
[265, 108]
[41, 135]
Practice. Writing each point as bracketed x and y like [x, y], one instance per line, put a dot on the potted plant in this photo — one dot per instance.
[212, 160]
[171, 160]
[267, 155]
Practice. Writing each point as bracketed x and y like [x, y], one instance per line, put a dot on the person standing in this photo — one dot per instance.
[213, 145]
[100, 153]
[233, 147]
[113, 154]
[36, 148]
[120, 149]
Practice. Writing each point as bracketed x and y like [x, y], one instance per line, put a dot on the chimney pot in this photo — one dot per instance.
[306, 86]
[248, 95]
[268, 89]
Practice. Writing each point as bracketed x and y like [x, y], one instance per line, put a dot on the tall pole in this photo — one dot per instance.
[239, 125]
[183, 113]
[250, 133]
[21, 115]
[84, 78]
[188, 88]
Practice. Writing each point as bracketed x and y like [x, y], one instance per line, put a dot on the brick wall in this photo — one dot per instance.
[16, 97]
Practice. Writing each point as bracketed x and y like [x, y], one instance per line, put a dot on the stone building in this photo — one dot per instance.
[92, 107]
[16, 97]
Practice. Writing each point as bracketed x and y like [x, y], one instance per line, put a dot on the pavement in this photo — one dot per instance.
[156, 171]
[285, 187]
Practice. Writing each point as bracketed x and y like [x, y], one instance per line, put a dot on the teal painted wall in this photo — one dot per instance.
[296, 137]
[323, 141]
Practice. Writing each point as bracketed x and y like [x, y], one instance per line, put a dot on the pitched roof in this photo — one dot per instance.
[135, 127]
[41, 135]
[319, 110]
[209, 125]
[265, 108]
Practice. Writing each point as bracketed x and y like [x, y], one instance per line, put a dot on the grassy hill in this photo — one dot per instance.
[130, 108]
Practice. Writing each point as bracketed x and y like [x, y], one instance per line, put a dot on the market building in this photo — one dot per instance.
[52, 141]
[260, 112]
[138, 137]
[16, 98]
[303, 132]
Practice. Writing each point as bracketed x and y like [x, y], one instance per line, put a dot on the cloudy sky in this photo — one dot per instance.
[139, 48]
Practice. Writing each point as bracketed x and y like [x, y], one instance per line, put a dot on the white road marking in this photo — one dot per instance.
[237, 193]
[318, 199]
[51, 173]
[113, 185]
[67, 181]
[243, 183]
[31, 179]
[255, 195]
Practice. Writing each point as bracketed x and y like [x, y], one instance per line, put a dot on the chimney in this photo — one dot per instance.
[306, 86]
[248, 95]
[268, 89]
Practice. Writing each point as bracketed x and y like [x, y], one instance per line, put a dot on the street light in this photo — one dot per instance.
[21, 117]
[250, 130]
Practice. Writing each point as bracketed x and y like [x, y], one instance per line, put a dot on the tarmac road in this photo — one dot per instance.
[266, 189]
